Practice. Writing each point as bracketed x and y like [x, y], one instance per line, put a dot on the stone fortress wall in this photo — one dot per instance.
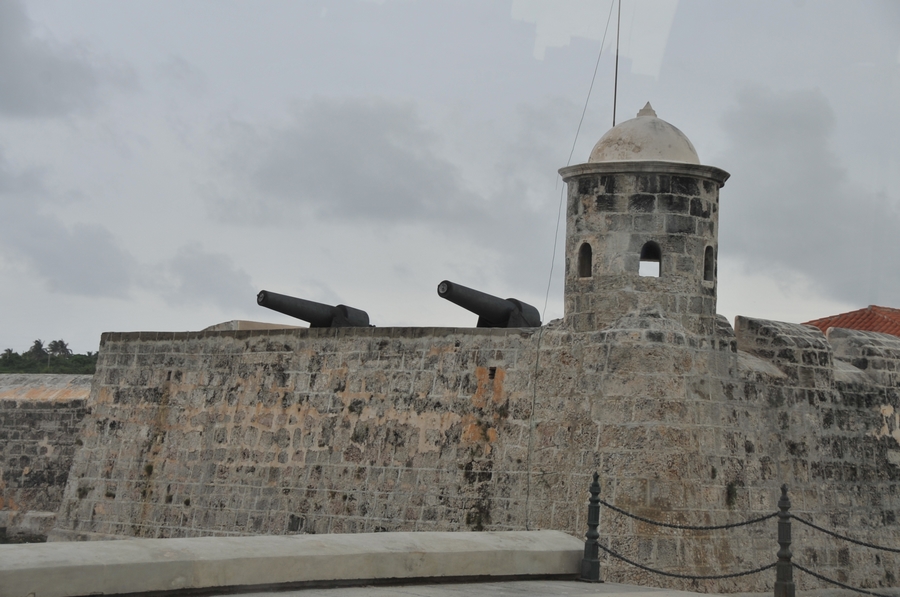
[361, 430]
[39, 418]
[382, 429]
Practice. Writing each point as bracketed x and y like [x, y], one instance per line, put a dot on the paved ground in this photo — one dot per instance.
[529, 588]
[227, 565]
[520, 588]
[825, 593]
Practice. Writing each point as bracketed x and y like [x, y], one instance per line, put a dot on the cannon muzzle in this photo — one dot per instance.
[492, 311]
[318, 315]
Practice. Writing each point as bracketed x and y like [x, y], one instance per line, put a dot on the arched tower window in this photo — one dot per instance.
[584, 261]
[709, 264]
[651, 259]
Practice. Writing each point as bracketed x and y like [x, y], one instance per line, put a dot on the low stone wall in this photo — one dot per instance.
[267, 565]
[39, 418]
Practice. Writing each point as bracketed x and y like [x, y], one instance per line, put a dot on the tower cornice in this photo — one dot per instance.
[716, 175]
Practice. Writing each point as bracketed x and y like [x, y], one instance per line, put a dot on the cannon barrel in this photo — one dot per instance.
[318, 315]
[492, 311]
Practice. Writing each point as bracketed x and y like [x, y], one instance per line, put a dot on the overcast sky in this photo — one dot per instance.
[162, 161]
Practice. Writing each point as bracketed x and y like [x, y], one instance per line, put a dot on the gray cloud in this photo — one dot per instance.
[196, 277]
[790, 205]
[375, 161]
[182, 74]
[346, 159]
[87, 260]
[84, 259]
[81, 259]
[45, 79]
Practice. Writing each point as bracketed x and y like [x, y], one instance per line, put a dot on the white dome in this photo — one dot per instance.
[642, 139]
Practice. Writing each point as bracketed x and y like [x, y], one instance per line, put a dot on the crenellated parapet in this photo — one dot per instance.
[801, 352]
[878, 355]
[809, 358]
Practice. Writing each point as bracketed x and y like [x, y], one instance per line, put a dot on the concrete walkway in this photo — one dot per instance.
[533, 588]
[267, 565]
[375, 564]
[519, 588]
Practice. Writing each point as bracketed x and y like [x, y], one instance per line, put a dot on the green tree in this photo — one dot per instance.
[55, 358]
[37, 350]
[59, 348]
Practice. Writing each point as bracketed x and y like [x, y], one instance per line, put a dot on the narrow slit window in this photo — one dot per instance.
[585, 257]
[709, 265]
[651, 260]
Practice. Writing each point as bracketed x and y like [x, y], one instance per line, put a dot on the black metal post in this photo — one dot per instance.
[784, 570]
[590, 564]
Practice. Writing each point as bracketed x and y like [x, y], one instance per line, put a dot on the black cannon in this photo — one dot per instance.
[492, 311]
[318, 315]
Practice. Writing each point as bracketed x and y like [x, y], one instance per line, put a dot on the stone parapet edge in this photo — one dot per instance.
[162, 565]
[348, 332]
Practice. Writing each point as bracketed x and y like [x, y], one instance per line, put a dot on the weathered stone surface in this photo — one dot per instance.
[360, 430]
[301, 431]
[677, 211]
[39, 417]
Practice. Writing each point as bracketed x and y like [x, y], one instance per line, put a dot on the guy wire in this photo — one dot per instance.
[616, 78]
[537, 358]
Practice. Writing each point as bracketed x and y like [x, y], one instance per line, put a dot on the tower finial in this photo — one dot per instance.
[647, 110]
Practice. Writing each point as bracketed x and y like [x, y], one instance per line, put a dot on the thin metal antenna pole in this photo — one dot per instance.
[616, 80]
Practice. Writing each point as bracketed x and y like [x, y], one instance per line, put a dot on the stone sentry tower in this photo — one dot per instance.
[642, 229]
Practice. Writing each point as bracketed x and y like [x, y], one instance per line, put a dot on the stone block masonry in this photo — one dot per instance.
[303, 431]
[619, 216]
[380, 429]
[39, 417]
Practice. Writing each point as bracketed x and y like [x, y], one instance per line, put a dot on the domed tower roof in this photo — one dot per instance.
[644, 138]
[642, 225]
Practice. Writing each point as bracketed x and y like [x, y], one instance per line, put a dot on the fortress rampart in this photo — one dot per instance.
[39, 418]
[368, 429]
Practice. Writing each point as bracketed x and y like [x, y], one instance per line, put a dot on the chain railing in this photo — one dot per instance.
[843, 538]
[590, 564]
[784, 566]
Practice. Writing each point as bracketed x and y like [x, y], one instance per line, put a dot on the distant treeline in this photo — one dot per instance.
[55, 357]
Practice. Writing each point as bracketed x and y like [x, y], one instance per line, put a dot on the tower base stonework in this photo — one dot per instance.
[618, 210]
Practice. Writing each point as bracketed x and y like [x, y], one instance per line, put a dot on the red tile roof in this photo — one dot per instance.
[871, 319]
